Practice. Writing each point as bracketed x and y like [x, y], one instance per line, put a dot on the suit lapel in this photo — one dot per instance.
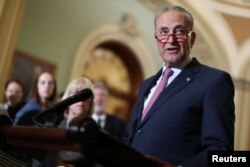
[181, 81]
[146, 90]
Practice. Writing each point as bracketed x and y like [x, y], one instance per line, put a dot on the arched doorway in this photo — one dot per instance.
[115, 65]
[119, 59]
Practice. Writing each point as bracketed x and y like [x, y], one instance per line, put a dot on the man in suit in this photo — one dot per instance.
[194, 113]
[111, 124]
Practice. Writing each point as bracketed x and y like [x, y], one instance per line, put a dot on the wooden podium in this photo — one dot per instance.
[84, 137]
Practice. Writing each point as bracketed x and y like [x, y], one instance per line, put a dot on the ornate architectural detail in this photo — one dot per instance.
[154, 5]
[202, 51]
[242, 84]
[244, 3]
[105, 65]
[128, 25]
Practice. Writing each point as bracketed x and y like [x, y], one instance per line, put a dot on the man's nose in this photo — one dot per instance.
[171, 38]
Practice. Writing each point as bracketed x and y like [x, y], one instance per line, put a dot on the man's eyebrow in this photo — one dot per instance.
[180, 26]
[164, 28]
[161, 29]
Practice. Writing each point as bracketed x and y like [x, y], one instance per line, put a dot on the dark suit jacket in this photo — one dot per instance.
[115, 126]
[194, 114]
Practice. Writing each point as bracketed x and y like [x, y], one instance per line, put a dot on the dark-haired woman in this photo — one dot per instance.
[42, 96]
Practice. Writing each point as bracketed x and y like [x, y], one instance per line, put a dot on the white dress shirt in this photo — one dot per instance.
[176, 72]
[100, 119]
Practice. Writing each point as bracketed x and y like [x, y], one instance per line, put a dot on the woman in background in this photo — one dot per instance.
[77, 110]
[81, 108]
[43, 95]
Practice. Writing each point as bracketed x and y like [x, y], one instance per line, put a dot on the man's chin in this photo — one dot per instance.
[171, 62]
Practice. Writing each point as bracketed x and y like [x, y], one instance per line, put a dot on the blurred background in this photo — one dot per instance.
[112, 41]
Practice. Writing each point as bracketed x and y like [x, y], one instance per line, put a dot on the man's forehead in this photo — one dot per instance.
[172, 16]
[100, 90]
[171, 19]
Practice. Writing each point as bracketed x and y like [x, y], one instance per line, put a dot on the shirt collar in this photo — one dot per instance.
[97, 117]
[181, 66]
[175, 70]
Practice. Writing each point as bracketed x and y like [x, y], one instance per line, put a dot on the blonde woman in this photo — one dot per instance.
[78, 110]
[81, 108]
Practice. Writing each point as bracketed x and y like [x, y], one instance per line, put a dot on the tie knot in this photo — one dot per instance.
[167, 73]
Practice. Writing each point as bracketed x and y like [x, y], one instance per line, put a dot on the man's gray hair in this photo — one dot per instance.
[179, 9]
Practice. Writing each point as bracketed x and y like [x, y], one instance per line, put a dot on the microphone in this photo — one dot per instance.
[58, 109]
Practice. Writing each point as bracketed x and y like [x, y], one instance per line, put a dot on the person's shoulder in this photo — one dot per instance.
[114, 118]
[212, 71]
[30, 105]
[196, 65]
[157, 74]
[151, 78]
[214, 75]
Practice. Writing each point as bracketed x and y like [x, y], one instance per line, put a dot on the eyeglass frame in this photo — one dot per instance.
[174, 35]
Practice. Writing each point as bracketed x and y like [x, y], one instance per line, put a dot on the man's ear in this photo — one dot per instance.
[156, 42]
[193, 36]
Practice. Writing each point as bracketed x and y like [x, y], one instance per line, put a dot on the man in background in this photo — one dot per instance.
[111, 124]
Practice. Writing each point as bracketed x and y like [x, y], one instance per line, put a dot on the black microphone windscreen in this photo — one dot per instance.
[59, 108]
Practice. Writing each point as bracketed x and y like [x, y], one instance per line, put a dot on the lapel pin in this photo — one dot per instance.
[188, 79]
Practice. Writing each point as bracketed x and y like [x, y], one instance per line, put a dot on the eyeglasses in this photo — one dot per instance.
[179, 36]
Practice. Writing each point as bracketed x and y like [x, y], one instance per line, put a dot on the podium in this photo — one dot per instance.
[84, 137]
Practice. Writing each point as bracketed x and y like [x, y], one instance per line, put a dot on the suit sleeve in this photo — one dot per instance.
[217, 120]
